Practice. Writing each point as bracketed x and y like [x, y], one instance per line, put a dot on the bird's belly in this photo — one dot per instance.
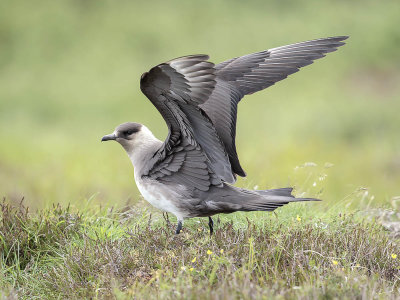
[158, 196]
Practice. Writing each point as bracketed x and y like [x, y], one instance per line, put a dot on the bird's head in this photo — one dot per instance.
[130, 135]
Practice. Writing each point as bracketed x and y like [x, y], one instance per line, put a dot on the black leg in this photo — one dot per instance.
[211, 225]
[179, 227]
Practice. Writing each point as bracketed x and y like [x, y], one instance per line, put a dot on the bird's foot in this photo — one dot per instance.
[179, 227]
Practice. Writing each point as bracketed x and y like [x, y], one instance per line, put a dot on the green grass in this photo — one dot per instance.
[101, 253]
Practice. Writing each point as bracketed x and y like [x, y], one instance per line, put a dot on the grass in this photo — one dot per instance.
[101, 253]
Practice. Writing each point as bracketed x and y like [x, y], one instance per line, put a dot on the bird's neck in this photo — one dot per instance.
[143, 152]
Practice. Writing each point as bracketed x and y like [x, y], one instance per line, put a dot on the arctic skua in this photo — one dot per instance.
[191, 173]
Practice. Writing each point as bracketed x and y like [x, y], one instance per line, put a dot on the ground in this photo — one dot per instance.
[133, 253]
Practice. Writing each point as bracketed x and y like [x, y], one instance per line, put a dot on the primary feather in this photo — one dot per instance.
[198, 101]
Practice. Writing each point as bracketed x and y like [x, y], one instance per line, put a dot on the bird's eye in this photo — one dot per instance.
[128, 132]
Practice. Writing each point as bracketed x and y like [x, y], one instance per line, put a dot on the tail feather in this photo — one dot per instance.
[272, 199]
[277, 192]
[231, 199]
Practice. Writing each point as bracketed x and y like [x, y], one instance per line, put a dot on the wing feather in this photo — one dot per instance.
[248, 74]
[198, 101]
[193, 153]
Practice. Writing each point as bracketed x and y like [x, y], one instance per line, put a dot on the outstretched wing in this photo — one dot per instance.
[248, 74]
[193, 153]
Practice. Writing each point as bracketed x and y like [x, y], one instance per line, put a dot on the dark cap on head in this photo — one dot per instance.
[123, 131]
[128, 128]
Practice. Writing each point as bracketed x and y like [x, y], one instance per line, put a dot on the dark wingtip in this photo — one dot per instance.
[241, 173]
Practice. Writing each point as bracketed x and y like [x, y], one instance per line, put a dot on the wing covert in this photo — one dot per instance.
[193, 152]
[198, 101]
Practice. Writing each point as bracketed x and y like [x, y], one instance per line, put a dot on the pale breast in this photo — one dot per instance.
[160, 196]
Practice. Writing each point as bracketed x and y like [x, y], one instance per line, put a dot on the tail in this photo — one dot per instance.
[271, 200]
[230, 199]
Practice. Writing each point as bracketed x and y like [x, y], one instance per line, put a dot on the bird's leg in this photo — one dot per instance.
[211, 225]
[179, 227]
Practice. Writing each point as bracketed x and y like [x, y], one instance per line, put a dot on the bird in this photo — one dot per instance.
[191, 173]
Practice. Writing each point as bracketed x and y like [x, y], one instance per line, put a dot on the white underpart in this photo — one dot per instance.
[156, 194]
[140, 149]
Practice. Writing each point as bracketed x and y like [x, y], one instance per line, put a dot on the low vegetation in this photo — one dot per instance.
[100, 253]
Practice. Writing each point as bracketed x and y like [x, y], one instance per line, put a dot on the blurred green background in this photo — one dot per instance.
[69, 73]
